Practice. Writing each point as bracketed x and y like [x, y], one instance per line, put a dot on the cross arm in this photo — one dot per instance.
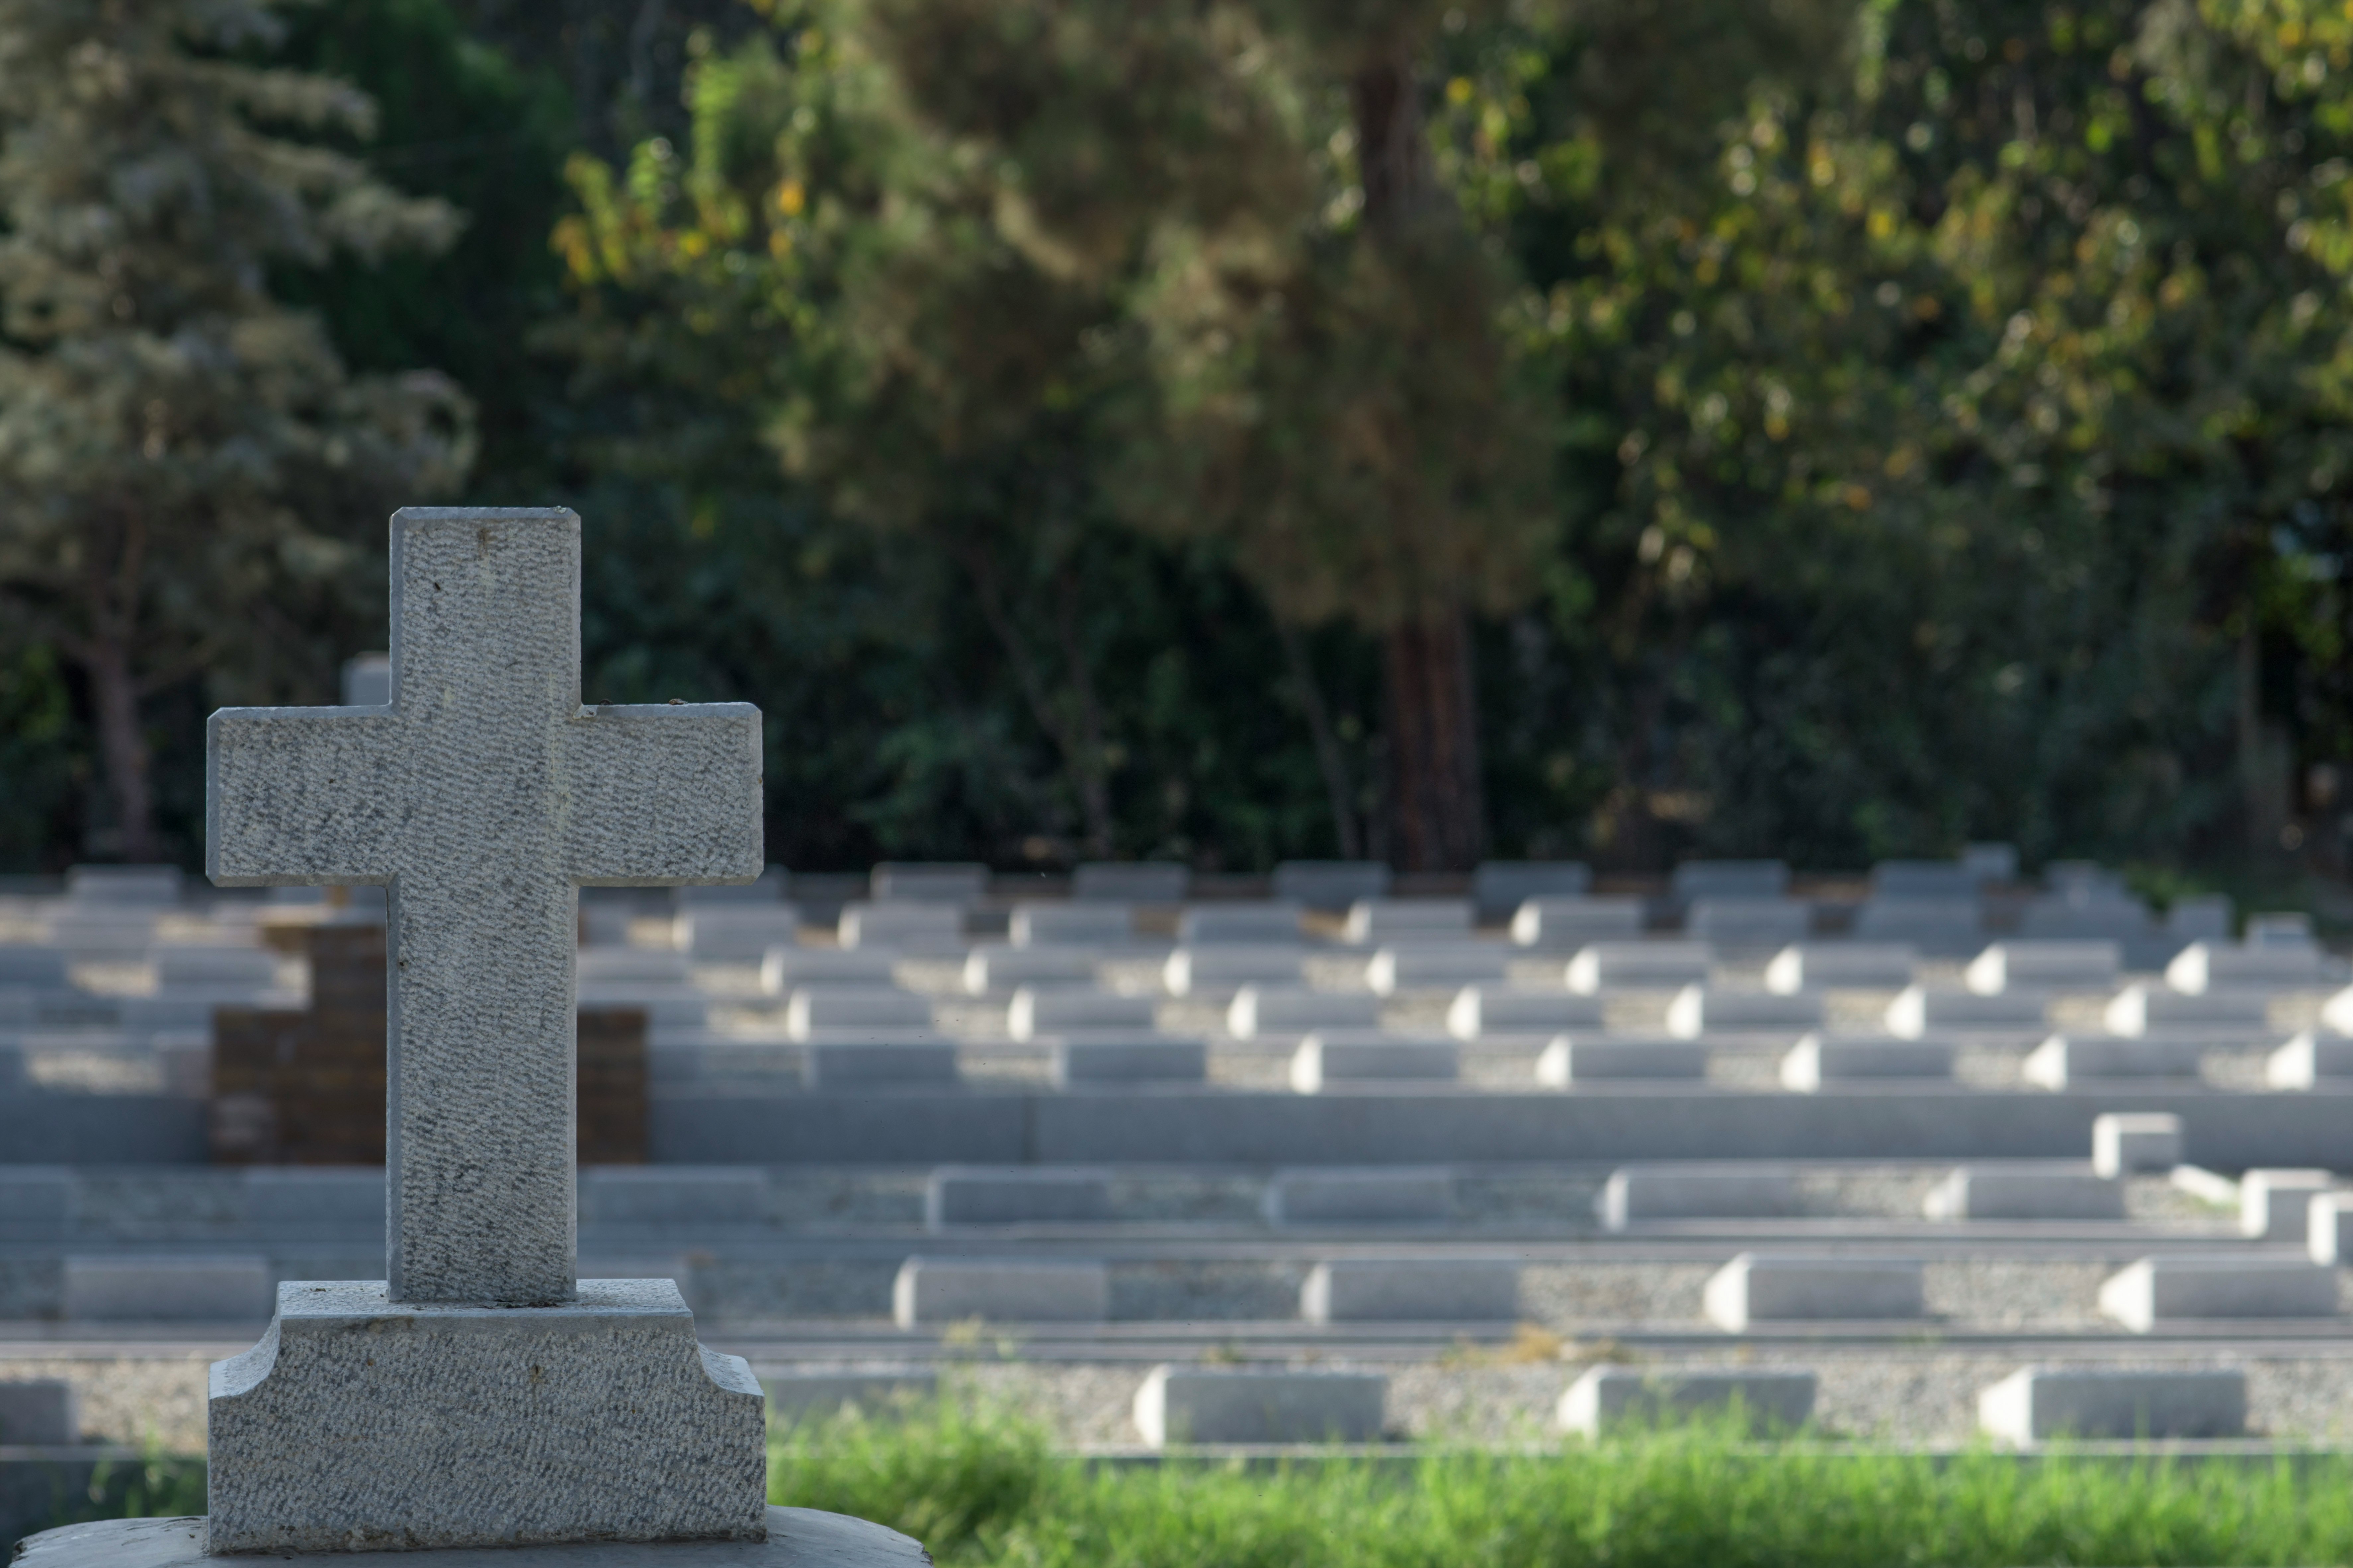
[299, 795]
[663, 795]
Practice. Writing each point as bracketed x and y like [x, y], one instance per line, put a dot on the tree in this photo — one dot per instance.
[188, 477]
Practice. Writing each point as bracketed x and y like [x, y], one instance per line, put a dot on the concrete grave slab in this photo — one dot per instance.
[1999, 1192]
[2040, 1403]
[1338, 1058]
[1761, 1287]
[1841, 966]
[1729, 1190]
[1378, 1195]
[1372, 921]
[1919, 1011]
[816, 1011]
[1664, 966]
[1221, 970]
[1260, 1012]
[1718, 1008]
[1251, 924]
[1400, 969]
[1818, 1061]
[930, 1291]
[1749, 923]
[1096, 1058]
[834, 1062]
[1412, 1291]
[1490, 1012]
[1551, 924]
[1498, 888]
[969, 1195]
[2204, 968]
[1229, 1404]
[2272, 1204]
[929, 929]
[2157, 1290]
[38, 1203]
[1729, 879]
[149, 1286]
[674, 1195]
[2127, 1143]
[2041, 967]
[1038, 1014]
[39, 1412]
[1130, 882]
[736, 934]
[2139, 1009]
[786, 970]
[2309, 1060]
[329, 1195]
[1608, 1399]
[1096, 923]
[2065, 1061]
[1330, 885]
[2329, 1228]
[960, 883]
[1939, 928]
[814, 1393]
[1577, 1059]
[995, 968]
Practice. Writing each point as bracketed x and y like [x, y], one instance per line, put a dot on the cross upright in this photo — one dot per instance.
[483, 797]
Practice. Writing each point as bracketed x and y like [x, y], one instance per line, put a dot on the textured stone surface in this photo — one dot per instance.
[362, 1424]
[484, 796]
[796, 1538]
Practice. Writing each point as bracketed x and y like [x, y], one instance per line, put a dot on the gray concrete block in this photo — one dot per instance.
[2039, 1404]
[1249, 925]
[1749, 923]
[811, 1394]
[2169, 1289]
[1491, 1012]
[1939, 928]
[969, 1195]
[38, 1203]
[1040, 1013]
[1401, 968]
[1841, 966]
[1329, 885]
[2138, 1009]
[2066, 1060]
[784, 970]
[2206, 968]
[1092, 1058]
[1232, 1404]
[960, 883]
[1820, 1061]
[251, 968]
[1501, 887]
[2329, 1228]
[995, 969]
[2126, 1142]
[1213, 971]
[1758, 1288]
[2309, 1060]
[1131, 881]
[832, 1063]
[1380, 1194]
[1590, 1058]
[2273, 1205]
[930, 1291]
[39, 1412]
[795, 1538]
[1412, 1291]
[817, 1010]
[619, 967]
[150, 1287]
[1605, 966]
[2041, 967]
[1729, 879]
[1088, 924]
[925, 930]
[1716, 1008]
[735, 933]
[673, 1194]
[1334, 1059]
[1372, 921]
[1983, 1192]
[1554, 924]
[1919, 1011]
[1605, 1399]
[34, 966]
[304, 1195]
[1726, 1191]
[1260, 1012]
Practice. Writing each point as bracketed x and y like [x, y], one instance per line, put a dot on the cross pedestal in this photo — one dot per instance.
[479, 1395]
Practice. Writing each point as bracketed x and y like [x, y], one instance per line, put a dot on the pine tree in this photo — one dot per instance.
[181, 457]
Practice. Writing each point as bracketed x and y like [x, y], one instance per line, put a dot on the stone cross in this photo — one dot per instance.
[483, 796]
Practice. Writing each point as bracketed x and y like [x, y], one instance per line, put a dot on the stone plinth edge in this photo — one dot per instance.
[797, 1538]
[360, 1423]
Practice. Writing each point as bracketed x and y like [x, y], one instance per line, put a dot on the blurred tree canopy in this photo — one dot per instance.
[1610, 427]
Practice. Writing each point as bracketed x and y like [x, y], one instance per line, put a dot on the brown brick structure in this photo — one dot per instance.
[307, 1088]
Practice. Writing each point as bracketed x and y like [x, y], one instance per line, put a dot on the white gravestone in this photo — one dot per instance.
[482, 1397]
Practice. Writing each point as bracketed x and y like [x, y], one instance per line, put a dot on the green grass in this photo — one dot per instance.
[989, 1490]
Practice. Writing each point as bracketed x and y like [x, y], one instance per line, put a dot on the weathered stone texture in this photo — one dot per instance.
[362, 1424]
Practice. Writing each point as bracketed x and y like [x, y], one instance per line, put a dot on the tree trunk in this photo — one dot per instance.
[1434, 746]
[123, 747]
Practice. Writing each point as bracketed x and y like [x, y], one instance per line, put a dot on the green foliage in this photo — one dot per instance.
[986, 1490]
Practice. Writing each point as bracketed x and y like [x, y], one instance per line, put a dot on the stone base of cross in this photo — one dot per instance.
[481, 1395]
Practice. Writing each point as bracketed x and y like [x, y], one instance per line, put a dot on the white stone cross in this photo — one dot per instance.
[484, 796]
